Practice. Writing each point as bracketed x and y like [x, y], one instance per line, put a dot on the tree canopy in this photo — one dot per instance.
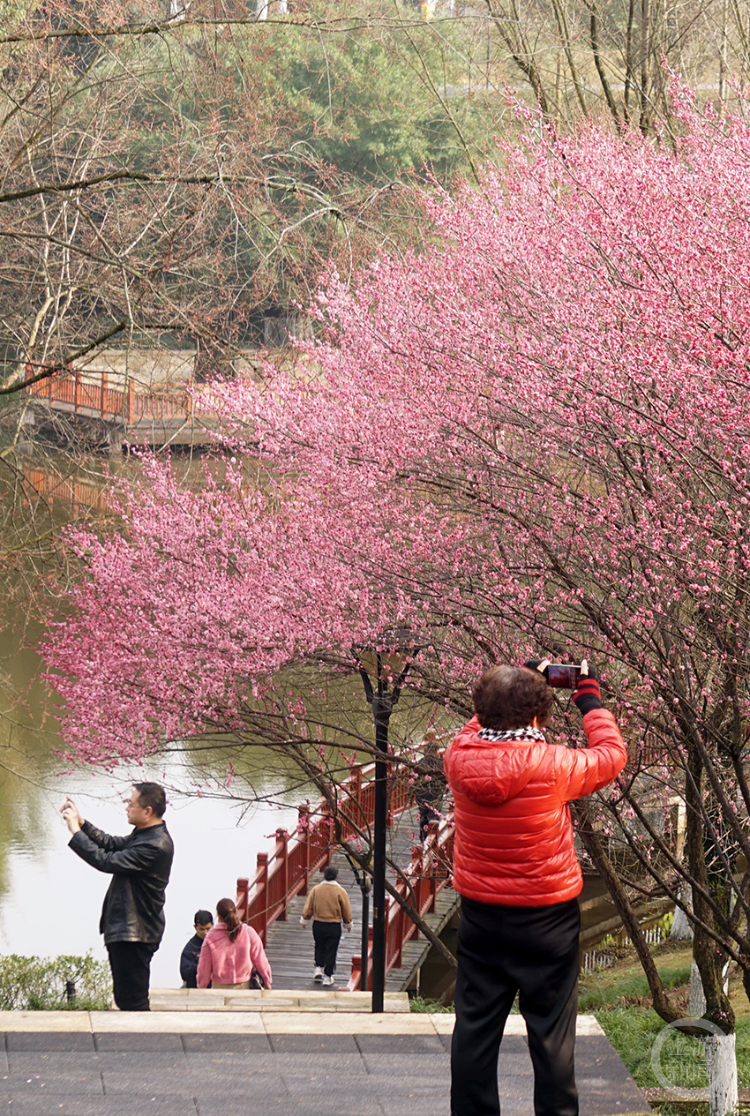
[531, 438]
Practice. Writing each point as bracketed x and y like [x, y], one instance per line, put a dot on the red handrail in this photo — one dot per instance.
[287, 871]
[428, 873]
[69, 489]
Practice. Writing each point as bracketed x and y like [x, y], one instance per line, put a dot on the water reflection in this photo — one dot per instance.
[51, 900]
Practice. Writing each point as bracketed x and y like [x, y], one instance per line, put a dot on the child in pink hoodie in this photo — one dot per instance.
[230, 952]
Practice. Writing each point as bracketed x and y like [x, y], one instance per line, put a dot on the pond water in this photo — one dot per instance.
[50, 900]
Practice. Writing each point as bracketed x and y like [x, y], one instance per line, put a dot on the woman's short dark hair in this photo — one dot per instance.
[330, 873]
[508, 697]
[151, 794]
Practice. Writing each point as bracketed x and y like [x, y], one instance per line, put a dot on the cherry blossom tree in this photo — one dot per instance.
[532, 438]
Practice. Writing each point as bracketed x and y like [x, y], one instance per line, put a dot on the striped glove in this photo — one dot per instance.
[587, 695]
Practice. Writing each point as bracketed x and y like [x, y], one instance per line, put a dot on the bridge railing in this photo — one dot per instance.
[428, 873]
[78, 394]
[286, 871]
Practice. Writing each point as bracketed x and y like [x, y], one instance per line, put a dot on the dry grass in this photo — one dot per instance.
[624, 985]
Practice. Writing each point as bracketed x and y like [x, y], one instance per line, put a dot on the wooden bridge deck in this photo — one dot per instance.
[290, 947]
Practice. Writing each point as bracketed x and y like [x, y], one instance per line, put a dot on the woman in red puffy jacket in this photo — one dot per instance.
[516, 870]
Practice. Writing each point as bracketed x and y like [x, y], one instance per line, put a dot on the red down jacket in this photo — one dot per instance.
[514, 835]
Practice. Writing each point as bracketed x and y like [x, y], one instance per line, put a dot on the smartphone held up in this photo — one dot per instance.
[563, 676]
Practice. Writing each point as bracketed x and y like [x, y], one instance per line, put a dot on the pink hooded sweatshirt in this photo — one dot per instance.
[225, 962]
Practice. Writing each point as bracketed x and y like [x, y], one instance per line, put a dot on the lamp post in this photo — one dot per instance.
[383, 673]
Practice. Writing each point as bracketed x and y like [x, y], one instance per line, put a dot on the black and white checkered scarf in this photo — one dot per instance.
[527, 733]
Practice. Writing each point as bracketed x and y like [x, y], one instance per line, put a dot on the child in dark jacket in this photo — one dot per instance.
[202, 922]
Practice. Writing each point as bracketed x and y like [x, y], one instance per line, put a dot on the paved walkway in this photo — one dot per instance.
[239, 1063]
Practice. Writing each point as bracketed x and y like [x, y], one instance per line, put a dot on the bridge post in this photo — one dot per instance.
[389, 814]
[356, 976]
[282, 855]
[399, 932]
[115, 438]
[303, 835]
[261, 880]
[368, 966]
[354, 791]
[432, 839]
[25, 443]
[329, 832]
[416, 875]
[243, 887]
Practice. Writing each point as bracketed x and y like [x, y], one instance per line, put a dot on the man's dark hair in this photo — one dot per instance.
[330, 873]
[508, 697]
[202, 918]
[151, 794]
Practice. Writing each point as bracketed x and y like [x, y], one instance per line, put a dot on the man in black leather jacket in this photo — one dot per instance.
[132, 919]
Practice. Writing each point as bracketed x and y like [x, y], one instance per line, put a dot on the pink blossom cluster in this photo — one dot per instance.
[534, 437]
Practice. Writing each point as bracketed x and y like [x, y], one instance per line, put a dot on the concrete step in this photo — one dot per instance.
[240, 999]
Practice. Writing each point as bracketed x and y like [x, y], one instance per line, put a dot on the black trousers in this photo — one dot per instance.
[130, 963]
[327, 936]
[501, 951]
[426, 815]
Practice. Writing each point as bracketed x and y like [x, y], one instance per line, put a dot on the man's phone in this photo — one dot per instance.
[563, 676]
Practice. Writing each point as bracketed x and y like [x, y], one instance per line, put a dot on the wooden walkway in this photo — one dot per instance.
[290, 947]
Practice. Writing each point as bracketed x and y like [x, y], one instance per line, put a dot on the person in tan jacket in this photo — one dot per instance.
[328, 906]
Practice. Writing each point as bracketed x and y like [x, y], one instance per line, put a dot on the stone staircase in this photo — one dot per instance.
[237, 999]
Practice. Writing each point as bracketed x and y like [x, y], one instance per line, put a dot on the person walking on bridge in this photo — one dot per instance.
[328, 905]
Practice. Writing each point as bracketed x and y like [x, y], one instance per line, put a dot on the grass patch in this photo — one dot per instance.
[618, 988]
[633, 1032]
[620, 1000]
[39, 983]
[691, 1108]
[421, 1004]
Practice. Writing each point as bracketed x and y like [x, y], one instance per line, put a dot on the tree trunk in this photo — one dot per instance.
[682, 930]
[721, 1065]
[696, 997]
[595, 848]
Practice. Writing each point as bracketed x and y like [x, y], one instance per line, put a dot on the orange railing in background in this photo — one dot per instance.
[69, 490]
[113, 404]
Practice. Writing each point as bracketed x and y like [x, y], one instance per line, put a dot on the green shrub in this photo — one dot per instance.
[39, 983]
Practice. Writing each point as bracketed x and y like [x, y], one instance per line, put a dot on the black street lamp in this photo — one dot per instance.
[383, 673]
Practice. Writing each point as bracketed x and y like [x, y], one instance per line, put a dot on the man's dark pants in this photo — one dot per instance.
[503, 950]
[327, 936]
[130, 963]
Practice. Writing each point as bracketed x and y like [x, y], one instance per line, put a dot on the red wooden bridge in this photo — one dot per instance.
[170, 415]
[272, 901]
[284, 874]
